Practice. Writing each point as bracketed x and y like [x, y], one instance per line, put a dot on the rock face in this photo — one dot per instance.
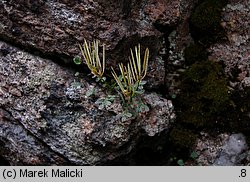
[46, 117]
[235, 54]
[58, 26]
[224, 150]
[49, 116]
[234, 151]
[48, 106]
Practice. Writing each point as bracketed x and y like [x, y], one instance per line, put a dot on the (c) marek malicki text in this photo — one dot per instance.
[56, 173]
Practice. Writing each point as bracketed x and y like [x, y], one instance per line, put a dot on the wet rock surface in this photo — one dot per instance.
[47, 117]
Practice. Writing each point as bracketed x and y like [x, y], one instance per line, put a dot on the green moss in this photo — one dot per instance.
[204, 94]
[215, 90]
[205, 21]
[183, 138]
[193, 53]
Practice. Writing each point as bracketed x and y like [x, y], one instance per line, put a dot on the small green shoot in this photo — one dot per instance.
[76, 84]
[129, 84]
[77, 60]
[180, 162]
[194, 155]
[126, 115]
[105, 102]
[91, 92]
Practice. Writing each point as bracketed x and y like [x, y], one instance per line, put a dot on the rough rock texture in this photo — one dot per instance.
[44, 108]
[233, 151]
[178, 39]
[235, 53]
[223, 150]
[58, 26]
[208, 148]
[46, 117]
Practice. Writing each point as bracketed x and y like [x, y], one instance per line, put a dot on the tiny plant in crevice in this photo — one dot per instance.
[130, 81]
[126, 115]
[129, 84]
[180, 162]
[192, 159]
[76, 84]
[90, 53]
[105, 102]
[91, 92]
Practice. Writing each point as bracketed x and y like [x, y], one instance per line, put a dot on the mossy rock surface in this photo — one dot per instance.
[183, 138]
[204, 94]
[193, 53]
[205, 21]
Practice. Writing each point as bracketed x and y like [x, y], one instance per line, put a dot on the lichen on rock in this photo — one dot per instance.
[49, 104]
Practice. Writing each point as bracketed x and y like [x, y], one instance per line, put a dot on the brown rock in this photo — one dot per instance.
[235, 53]
[56, 27]
[163, 12]
[46, 117]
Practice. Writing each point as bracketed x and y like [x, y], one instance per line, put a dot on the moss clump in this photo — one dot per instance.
[204, 94]
[193, 53]
[205, 21]
[183, 138]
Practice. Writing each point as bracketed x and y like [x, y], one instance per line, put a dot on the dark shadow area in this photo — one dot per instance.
[4, 162]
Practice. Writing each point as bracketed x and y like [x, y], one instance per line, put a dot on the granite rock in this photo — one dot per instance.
[47, 118]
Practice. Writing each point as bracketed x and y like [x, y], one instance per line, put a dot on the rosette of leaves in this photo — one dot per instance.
[90, 53]
[130, 79]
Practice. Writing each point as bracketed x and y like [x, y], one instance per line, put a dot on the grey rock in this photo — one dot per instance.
[235, 53]
[158, 119]
[59, 26]
[47, 119]
[233, 151]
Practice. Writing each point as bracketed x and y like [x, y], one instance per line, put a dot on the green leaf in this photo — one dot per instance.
[173, 96]
[139, 92]
[90, 92]
[108, 103]
[144, 108]
[180, 162]
[103, 79]
[77, 60]
[129, 115]
[194, 155]
[97, 78]
[77, 74]
[99, 101]
[111, 97]
[76, 84]
[105, 102]
[126, 115]
[142, 82]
